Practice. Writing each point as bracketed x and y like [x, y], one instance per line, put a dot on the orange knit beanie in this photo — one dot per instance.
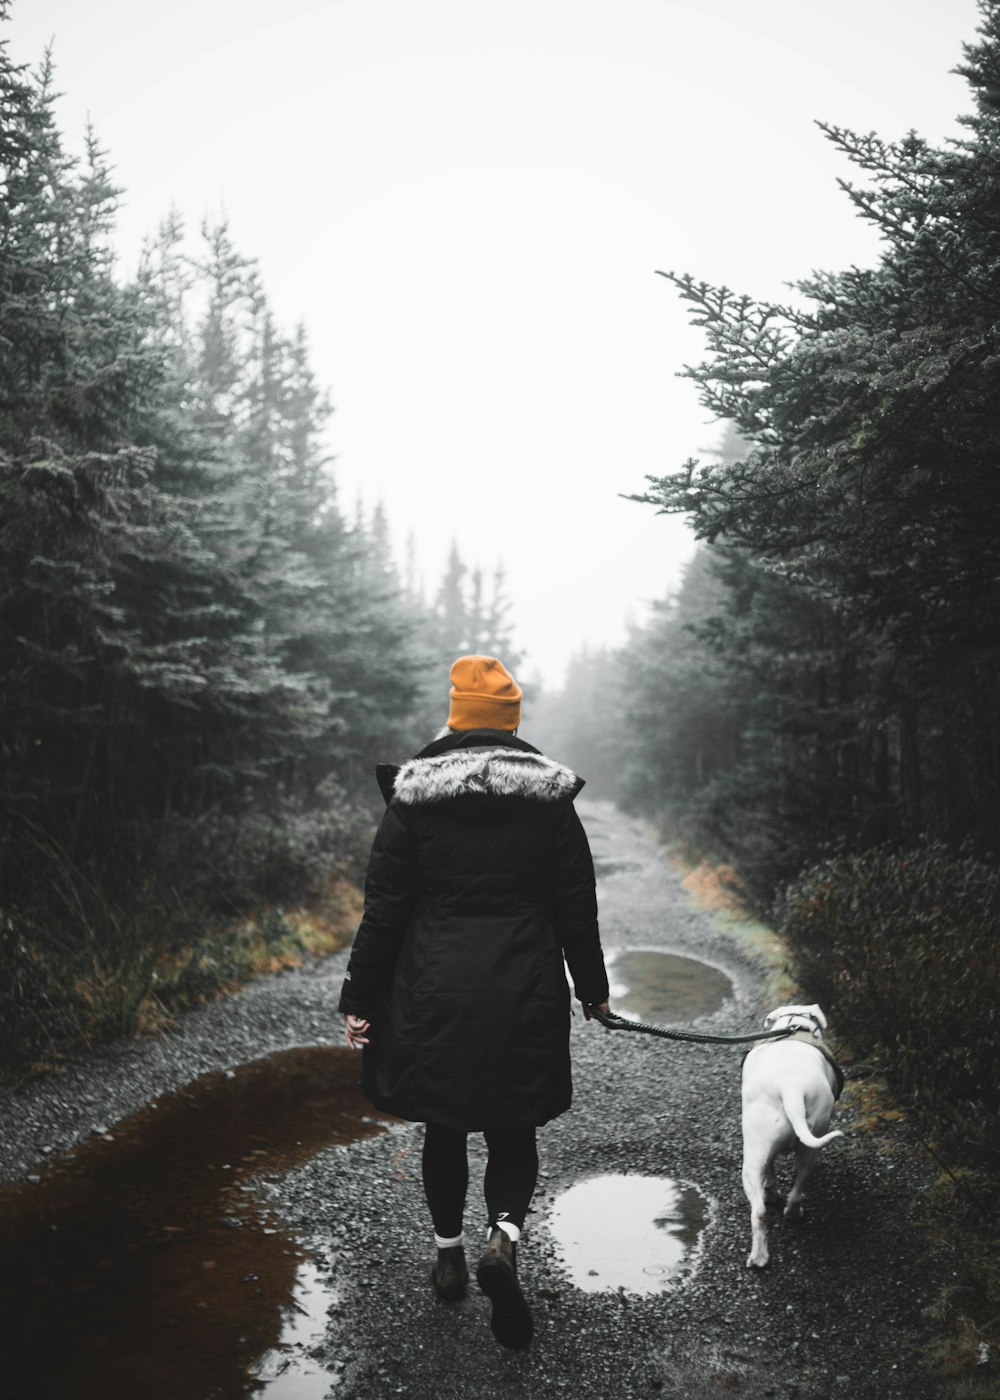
[484, 695]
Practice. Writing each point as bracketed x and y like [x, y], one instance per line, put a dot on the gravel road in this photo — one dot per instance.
[838, 1311]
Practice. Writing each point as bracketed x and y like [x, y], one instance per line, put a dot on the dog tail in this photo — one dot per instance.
[795, 1112]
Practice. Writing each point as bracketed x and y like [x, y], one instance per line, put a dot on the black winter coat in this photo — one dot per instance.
[480, 881]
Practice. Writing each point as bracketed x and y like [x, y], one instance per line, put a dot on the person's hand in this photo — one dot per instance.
[588, 1011]
[356, 1030]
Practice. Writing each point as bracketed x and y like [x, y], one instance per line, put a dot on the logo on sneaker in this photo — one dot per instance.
[503, 1215]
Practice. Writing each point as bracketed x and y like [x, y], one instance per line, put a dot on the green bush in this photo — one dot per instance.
[901, 948]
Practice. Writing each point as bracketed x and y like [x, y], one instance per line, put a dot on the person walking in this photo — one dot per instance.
[480, 883]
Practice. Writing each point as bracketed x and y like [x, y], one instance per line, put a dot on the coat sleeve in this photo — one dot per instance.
[574, 904]
[390, 890]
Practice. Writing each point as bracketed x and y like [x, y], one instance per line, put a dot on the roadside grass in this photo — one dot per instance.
[715, 889]
[112, 971]
[231, 954]
[957, 1217]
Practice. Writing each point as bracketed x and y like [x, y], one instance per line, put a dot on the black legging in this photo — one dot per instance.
[511, 1173]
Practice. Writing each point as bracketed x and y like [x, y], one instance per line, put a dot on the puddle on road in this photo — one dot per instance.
[640, 1233]
[666, 988]
[146, 1264]
[286, 1371]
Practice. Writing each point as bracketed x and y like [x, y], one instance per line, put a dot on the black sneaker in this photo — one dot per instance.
[497, 1275]
[450, 1276]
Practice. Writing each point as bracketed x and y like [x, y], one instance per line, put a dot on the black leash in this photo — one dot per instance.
[612, 1022]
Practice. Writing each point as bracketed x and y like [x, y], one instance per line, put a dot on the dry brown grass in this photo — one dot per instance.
[713, 887]
[147, 998]
[273, 941]
[328, 922]
[716, 890]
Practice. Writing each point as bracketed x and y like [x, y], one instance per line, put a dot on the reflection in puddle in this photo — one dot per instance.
[286, 1371]
[145, 1264]
[640, 1233]
[664, 987]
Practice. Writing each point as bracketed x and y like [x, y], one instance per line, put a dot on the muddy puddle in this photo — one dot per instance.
[145, 1263]
[665, 988]
[637, 1233]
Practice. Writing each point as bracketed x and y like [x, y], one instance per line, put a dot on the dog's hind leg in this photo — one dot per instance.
[771, 1193]
[755, 1171]
[805, 1160]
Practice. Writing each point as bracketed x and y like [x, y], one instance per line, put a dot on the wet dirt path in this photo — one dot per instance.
[634, 1255]
[148, 1255]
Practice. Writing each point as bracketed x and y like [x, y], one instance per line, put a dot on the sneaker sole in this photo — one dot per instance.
[512, 1323]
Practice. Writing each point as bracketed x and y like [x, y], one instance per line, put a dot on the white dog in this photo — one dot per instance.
[789, 1089]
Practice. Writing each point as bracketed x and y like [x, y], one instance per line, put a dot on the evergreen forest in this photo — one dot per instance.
[816, 709]
[202, 651]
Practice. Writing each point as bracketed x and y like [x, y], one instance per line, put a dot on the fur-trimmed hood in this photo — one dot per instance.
[482, 772]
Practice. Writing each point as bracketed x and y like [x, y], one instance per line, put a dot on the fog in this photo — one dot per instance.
[466, 205]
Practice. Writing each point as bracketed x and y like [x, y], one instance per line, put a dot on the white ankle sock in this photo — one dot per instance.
[511, 1230]
[449, 1244]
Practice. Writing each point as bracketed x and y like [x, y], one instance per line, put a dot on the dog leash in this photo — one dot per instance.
[613, 1022]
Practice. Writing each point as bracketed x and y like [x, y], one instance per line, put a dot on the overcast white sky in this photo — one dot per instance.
[466, 201]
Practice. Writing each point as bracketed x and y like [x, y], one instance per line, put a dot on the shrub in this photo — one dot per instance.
[78, 967]
[902, 948]
[88, 955]
[225, 862]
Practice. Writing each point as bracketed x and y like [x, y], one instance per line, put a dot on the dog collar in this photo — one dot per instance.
[807, 1038]
[801, 1021]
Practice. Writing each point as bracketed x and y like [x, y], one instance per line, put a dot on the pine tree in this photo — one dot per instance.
[451, 634]
[498, 627]
[868, 496]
